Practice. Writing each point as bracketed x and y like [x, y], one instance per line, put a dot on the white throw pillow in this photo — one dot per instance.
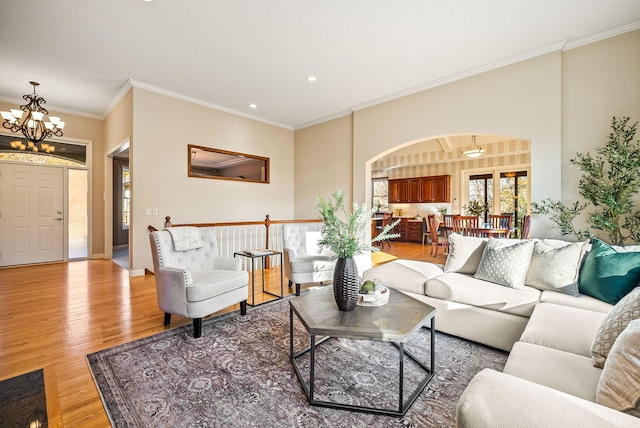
[465, 253]
[625, 311]
[619, 385]
[555, 266]
[505, 263]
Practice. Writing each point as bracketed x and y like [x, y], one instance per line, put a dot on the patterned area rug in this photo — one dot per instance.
[239, 374]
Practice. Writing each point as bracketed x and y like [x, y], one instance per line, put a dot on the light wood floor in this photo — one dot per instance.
[54, 315]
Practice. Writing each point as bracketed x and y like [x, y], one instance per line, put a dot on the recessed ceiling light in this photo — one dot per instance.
[312, 78]
[253, 105]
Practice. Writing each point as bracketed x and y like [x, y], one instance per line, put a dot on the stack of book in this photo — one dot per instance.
[259, 252]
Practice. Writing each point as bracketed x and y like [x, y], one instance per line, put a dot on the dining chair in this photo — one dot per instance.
[437, 241]
[526, 227]
[387, 219]
[466, 225]
[425, 230]
[501, 221]
[448, 224]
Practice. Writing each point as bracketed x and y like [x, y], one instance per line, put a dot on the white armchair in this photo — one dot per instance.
[194, 281]
[302, 262]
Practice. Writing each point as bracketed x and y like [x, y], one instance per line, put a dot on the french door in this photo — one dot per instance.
[31, 214]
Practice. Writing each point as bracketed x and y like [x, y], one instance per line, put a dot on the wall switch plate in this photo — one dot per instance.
[155, 211]
[147, 211]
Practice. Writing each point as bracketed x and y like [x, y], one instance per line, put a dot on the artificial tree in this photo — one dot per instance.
[609, 184]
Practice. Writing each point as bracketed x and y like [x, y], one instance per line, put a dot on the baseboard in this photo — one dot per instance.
[97, 256]
[136, 272]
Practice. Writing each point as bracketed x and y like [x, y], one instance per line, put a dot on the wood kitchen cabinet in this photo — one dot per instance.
[414, 192]
[414, 231]
[440, 188]
[420, 189]
[397, 191]
[403, 229]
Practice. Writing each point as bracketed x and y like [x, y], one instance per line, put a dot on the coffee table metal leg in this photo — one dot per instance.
[290, 333]
[312, 367]
[401, 374]
[433, 345]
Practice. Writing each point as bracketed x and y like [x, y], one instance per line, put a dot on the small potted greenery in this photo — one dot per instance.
[343, 233]
[476, 207]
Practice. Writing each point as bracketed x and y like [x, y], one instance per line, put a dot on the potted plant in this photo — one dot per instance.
[343, 233]
[476, 207]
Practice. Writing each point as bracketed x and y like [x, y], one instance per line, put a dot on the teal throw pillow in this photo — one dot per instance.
[607, 274]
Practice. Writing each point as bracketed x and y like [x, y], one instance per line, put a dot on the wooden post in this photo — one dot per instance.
[267, 223]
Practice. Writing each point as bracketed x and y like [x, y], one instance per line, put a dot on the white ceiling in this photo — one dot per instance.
[230, 53]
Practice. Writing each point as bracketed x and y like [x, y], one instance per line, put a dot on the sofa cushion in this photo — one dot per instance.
[505, 263]
[493, 399]
[404, 275]
[466, 289]
[208, 284]
[312, 263]
[619, 386]
[564, 371]
[562, 327]
[555, 265]
[465, 253]
[627, 310]
[608, 274]
[582, 301]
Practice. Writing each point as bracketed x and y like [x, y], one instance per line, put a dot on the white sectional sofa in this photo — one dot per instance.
[539, 316]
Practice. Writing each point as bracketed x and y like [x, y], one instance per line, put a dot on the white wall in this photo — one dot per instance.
[562, 102]
[522, 100]
[323, 164]
[599, 81]
[162, 129]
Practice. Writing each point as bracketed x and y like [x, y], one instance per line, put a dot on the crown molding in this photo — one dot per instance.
[604, 35]
[119, 96]
[168, 93]
[463, 75]
[323, 119]
[564, 45]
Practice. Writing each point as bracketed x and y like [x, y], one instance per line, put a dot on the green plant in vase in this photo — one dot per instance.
[476, 207]
[343, 233]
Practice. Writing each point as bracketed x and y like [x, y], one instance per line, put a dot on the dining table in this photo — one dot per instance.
[486, 231]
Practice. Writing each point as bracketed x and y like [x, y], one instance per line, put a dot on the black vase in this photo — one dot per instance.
[345, 284]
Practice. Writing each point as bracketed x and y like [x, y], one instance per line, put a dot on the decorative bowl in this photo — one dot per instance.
[377, 298]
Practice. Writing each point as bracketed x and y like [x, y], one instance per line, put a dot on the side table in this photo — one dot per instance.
[262, 256]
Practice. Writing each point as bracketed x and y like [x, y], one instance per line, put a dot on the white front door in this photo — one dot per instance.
[31, 214]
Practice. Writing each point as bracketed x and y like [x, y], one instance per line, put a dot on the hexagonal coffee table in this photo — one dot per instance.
[394, 322]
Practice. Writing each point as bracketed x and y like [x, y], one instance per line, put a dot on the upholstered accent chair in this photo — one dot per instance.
[302, 261]
[195, 281]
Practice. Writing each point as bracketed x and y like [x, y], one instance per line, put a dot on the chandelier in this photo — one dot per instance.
[30, 120]
[474, 151]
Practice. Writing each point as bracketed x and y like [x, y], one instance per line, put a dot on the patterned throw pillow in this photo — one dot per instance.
[625, 311]
[555, 266]
[619, 384]
[505, 263]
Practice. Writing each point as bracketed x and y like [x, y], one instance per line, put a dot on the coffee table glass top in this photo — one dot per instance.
[396, 321]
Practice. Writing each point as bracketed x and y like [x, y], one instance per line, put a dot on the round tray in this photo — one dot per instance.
[374, 299]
